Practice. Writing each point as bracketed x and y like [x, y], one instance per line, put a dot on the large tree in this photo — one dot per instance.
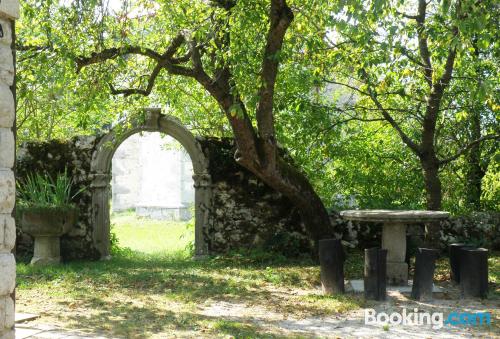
[413, 65]
[208, 55]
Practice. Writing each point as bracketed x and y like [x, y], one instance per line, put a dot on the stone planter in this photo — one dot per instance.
[47, 225]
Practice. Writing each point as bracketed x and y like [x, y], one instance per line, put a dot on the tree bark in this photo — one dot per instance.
[474, 172]
[290, 182]
[430, 167]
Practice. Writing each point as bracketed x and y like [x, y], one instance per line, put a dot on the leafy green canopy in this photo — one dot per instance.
[335, 134]
[381, 53]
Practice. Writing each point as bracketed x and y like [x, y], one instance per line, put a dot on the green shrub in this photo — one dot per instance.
[38, 190]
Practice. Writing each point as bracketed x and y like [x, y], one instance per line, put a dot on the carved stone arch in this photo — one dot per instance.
[154, 121]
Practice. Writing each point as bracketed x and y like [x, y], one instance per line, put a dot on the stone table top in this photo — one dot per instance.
[396, 216]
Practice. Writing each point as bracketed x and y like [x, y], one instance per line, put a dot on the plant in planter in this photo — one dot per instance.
[46, 212]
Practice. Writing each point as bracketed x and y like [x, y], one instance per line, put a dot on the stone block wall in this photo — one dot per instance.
[245, 212]
[9, 11]
[54, 157]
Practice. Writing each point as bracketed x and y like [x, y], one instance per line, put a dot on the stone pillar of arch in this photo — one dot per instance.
[152, 121]
[9, 12]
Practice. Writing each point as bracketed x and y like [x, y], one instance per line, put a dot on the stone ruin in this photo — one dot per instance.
[233, 208]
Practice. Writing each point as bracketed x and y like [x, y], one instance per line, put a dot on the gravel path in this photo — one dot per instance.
[352, 325]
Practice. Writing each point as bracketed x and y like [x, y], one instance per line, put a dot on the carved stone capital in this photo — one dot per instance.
[152, 117]
[100, 180]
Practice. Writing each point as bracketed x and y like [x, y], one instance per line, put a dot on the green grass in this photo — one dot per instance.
[139, 295]
[155, 289]
[151, 236]
[152, 287]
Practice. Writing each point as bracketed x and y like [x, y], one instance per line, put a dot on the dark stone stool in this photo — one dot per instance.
[455, 253]
[375, 274]
[331, 258]
[425, 264]
[474, 272]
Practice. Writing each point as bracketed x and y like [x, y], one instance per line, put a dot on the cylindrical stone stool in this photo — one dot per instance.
[375, 274]
[425, 264]
[331, 259]
[474, 272]
[455, 253]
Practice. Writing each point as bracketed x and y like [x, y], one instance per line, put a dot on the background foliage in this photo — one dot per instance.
[334, 134]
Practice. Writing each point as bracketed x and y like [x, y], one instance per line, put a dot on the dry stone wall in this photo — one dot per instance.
[9, 11]
[54, 157]
[243, 211]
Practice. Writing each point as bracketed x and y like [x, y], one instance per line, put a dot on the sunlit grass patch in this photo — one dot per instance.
[151, 236]
[140, 295]
[163, 293]
[234, 329]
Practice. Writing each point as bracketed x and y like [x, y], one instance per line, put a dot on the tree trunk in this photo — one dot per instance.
[293, 184]
[432, 182]
[430, 166]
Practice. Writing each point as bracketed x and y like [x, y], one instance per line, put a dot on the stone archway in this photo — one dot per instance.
[153, 121]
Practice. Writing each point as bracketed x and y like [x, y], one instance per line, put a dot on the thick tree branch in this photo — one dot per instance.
[281, 17]
[385, 113]
[32, 48]
[434, 101]
[113, 53]
[354, 88]
[387, 116]
[130, 91]
[423, 47]
[469, 146]
[412, 58]
[448, 68]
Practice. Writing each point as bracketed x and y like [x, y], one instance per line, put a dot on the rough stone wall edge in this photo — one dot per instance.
[9, 9]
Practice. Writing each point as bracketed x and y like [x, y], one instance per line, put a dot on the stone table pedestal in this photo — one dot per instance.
[394, 241]
[394, 235]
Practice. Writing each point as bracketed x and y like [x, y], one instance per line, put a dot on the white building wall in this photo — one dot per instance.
[9, 10]
[126, 174]
[153, 175]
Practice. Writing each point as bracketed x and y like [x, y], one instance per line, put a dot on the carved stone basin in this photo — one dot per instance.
[47, 225]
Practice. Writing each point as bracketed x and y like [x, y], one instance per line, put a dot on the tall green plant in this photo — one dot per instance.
[43, 191]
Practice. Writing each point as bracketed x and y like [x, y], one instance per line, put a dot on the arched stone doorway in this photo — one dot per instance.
[153, 121]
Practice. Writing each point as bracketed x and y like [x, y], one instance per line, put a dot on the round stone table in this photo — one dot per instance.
[394, 235]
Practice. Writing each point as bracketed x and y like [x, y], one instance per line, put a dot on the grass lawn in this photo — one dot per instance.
[155, 289]
[151, 236]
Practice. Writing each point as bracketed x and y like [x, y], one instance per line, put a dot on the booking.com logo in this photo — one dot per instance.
[436, 319]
